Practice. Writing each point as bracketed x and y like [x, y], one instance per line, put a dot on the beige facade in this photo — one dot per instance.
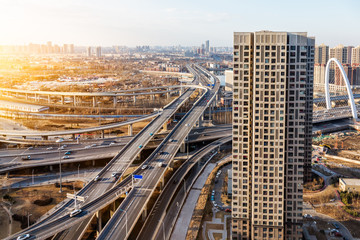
[355, 56]
[349, 185]
[321, 54]
[272, 116]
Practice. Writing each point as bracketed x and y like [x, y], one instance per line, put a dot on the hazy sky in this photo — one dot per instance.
[168, 22]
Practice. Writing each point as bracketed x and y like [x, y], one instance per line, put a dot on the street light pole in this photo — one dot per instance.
[32, 176]
[79, 171]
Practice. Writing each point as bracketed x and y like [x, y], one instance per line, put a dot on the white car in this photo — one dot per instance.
[87, 147]
[144, 167]
[75, 212]
[23, 237]
[50, 148]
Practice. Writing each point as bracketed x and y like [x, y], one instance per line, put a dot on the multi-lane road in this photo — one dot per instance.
[119, 164]
[124, 219]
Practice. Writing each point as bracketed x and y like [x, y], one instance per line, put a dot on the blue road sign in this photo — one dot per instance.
[138, 176]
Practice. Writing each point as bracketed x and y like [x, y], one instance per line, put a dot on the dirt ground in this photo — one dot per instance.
[23, 204]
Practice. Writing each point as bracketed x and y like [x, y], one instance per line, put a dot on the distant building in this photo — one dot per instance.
[69, 48]
[341, 53]
[319, 73]
[349, 184]
[98, 52]
[229, 77]
[321, 54]
[88, 51]
[207, 46]
[355, 56]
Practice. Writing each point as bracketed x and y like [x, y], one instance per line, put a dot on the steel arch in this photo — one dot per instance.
[348, 87]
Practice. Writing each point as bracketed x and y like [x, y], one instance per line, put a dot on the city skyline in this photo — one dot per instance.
[163, 23]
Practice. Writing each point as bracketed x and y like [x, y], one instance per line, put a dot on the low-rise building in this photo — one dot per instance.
[349, 184]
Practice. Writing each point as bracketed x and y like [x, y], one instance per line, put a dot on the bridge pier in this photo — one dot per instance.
[93, 163]
[134, 99]
[94, 101]
[51, 167]
[26, 96]
[114, 101]
[183, 147]
[44, 137]
[62, 100]
[49, 99]
[35, 97]
[23, 137]
[152, 97]
[102, 134]
[99, 222]
[144, 214]
[165, 126]
[74, 100]
[130, 130]
[168, 94]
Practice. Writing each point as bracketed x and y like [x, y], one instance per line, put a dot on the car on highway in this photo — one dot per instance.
[162, 153]
[87, 147]
[144, 167]
[61, 148]
[140, 146]
[30, 148]
[114, 175]
[336, 225]
[75, 212]
[23, 237]
[112, 143]
[97, 178]
[151, 134]
[66, 157]
[28, 157]
[175, 120]
[68, 153]
[49, 148]
[171, 140]
[93, 145]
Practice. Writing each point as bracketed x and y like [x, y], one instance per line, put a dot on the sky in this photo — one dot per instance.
[169, 22]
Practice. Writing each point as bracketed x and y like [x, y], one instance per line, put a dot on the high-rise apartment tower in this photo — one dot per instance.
[272, 123]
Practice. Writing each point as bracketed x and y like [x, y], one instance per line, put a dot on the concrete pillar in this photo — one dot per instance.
[49, 99]
[23, 137]
[102, 133]
[73, 136]
[112, 209]
[26, 96]
[51, 168]
[144, 214]
[165, 127]
[7, 175]
[162, 183]
[94, 101]
[134, 98]
[130, 130]
[35, 97]
[44, 137]
[115, 100]
[99, 221]
[152, 97]
[62, 100]
[74, 100]
[168, 93]
[93, 162]
[183, 147]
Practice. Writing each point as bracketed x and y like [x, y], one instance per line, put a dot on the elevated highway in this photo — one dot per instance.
[136, 201]
[118, 164]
